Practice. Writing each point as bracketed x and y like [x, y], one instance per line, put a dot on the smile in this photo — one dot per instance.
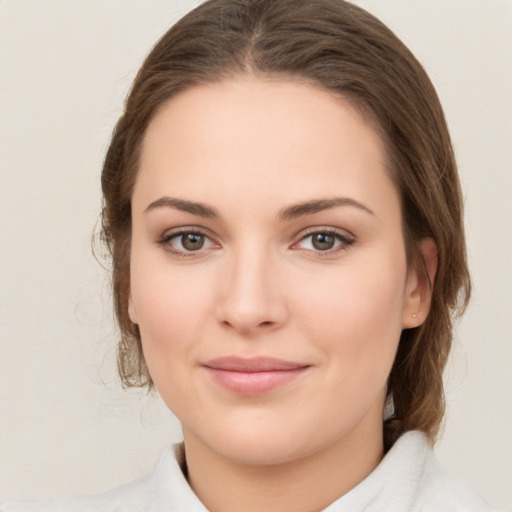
[253, 376]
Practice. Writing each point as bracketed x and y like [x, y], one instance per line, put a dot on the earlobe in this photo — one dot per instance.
[419, 288]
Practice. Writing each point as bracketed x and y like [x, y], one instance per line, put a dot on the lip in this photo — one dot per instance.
[253, 376]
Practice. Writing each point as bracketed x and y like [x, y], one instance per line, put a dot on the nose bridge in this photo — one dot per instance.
[251, 297]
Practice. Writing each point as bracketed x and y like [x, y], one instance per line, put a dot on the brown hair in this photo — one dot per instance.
[343, 49]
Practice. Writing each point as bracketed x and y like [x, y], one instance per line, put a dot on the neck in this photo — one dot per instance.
[310, 483]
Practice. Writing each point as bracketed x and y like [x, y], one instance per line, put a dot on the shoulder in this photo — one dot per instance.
[409, 479]
[437, 490]
[164, 489]
[440, 491]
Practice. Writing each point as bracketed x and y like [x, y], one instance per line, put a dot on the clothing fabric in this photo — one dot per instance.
[409, 479]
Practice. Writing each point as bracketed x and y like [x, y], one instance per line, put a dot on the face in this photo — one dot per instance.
[268, 269]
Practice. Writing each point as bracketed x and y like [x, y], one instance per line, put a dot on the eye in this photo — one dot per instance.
[184, 243]
[325, 241]
[192, 241]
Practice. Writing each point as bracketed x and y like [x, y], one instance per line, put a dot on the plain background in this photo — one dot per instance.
[66, 426]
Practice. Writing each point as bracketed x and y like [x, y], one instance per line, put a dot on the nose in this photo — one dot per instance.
[252, 299]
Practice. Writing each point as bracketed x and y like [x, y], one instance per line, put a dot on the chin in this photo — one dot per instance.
[259, 450]
[266, 443]
[251, 442]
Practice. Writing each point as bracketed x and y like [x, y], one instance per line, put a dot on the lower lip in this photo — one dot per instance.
[254, 383]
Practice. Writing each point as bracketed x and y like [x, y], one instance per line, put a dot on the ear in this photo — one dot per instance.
[418, 294]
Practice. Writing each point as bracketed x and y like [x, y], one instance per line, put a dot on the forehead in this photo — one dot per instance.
[261, 139]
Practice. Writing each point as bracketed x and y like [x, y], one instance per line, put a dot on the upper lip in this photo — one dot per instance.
[252, 364]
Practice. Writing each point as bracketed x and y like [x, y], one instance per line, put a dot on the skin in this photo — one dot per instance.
[259, 286]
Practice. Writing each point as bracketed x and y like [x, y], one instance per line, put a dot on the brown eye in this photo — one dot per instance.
[323, 241]
[187, 243]
[192, 241]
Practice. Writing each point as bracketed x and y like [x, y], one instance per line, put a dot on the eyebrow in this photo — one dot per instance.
[293, 211]
[200, 209]
[317, 205]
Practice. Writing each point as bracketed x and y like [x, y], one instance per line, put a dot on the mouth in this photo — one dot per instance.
[253, 376]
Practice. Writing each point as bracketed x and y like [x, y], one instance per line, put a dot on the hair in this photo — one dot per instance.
[340, 48]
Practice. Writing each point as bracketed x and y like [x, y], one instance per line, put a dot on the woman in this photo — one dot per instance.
[284, 215]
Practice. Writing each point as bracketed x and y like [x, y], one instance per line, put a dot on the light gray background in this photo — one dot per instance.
[66, 426]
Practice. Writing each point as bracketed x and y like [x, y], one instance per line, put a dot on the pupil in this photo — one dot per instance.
[193, 242]
[323, 241]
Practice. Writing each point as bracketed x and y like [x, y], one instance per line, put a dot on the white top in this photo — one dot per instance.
[408, 479]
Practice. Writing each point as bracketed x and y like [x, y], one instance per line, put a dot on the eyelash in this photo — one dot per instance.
[167, 237]
[346, 241]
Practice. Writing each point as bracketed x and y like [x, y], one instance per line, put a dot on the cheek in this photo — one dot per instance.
[171, 309]
[355, 315]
